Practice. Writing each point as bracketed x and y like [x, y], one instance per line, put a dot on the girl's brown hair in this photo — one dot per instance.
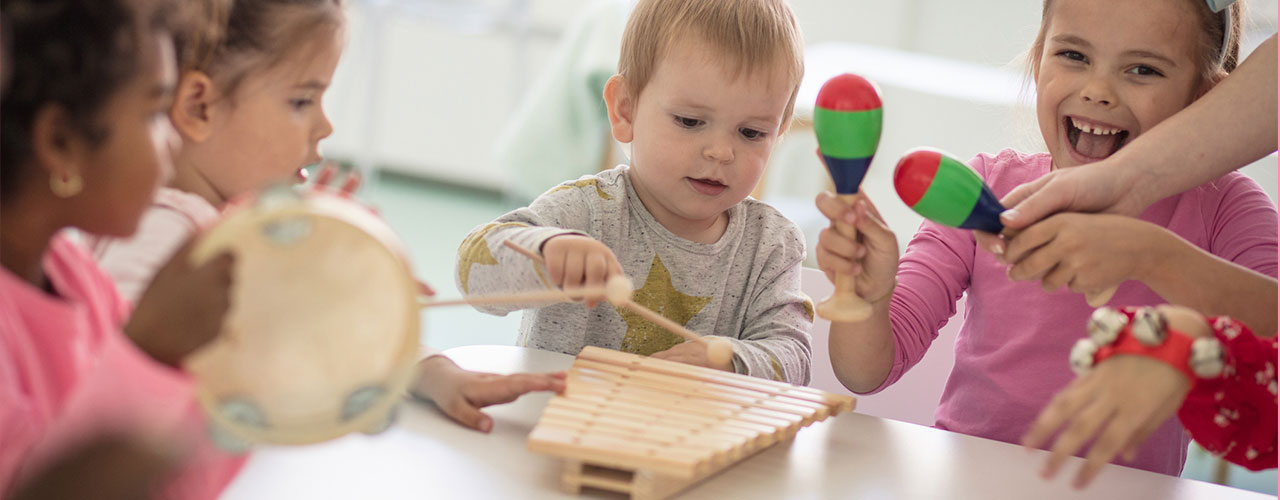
[240, 37]
[1216, 52]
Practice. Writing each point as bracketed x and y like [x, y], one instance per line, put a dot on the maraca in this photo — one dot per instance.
[945, 191]
[847, 121]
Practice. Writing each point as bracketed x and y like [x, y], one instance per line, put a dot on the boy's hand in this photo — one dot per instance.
[183, 307]
[691, 352]
[1120, 402]
[461, 394]
[872, 259]
[1085, 252]
[575, 261]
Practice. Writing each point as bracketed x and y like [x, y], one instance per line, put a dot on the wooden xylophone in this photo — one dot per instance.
[650, 428]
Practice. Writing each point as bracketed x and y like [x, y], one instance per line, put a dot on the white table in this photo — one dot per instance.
[425, 455]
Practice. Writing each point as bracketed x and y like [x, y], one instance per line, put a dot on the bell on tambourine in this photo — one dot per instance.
[323, 331]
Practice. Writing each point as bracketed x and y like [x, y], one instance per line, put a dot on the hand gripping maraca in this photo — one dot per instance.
[847, 122]
[945, 191]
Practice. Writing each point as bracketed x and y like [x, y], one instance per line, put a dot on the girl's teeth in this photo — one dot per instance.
[1084, 127]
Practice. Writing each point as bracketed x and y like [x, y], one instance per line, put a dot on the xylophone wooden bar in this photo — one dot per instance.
[650, 428]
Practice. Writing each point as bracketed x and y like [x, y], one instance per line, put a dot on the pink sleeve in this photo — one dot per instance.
[16, 432]
[1243, 225]
[933, 274]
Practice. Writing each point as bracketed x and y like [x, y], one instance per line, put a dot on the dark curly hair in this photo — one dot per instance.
[75, 54]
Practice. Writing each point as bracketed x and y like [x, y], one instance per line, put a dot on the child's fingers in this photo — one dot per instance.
[509, 388]
[327, 171]
[1036, 265]
[597, 269]
[833, 264]
[1029, 240]
[990, 242]
[574, 266]
[555, 266]
[834, 209]
[837, 244]
[461, 411]
[1130, 451]
[1114, 436]
[870, 207]
[869, 222]
[1063, 406]
[425, 289]
[1083, 427]
[1061, 275]
[352, 183]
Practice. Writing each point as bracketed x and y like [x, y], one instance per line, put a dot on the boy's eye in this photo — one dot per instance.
[1072, 55]
[1144, 70]
[750, 133]
[688, 122]
[300, 104]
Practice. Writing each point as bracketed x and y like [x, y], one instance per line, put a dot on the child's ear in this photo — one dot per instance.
[1209, 83]
[621, 106]
[57, 147]
[192, 111]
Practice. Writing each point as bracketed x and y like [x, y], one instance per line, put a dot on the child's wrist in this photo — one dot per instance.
[1144, 331]
[432, 372]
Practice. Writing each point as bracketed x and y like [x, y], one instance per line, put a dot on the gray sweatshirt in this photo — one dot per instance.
[745, 287]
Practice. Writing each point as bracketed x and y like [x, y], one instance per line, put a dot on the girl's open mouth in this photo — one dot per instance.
[1093, 142]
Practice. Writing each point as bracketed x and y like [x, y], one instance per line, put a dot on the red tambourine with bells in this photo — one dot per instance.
[323, 332]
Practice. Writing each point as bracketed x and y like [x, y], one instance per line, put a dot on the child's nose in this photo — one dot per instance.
[720, 151]
[326, 127]
[1098, 90]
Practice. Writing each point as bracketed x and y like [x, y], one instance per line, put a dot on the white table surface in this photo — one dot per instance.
[425, 455]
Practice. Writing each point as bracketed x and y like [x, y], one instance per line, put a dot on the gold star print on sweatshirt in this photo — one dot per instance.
[745, 287]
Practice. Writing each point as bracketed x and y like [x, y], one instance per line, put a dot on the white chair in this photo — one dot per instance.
[915, 396]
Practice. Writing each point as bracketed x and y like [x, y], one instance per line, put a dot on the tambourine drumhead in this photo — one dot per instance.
[322, 335]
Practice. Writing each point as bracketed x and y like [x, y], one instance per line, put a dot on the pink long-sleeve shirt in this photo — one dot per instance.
[68, 373]
[1011, 352]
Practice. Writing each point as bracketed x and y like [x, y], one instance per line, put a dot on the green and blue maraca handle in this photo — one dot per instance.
[847, 120]
[945, 191]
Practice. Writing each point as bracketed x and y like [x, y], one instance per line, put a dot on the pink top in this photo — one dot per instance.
[131, 262]
[67, 372]
[1011, 352]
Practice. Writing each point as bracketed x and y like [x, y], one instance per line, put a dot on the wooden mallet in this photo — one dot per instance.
[618, 289]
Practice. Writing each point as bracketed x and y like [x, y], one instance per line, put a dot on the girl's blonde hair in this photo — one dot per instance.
[1219, 47]
[750, 34]
[234, 38]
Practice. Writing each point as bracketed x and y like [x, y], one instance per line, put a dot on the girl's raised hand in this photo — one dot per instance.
[872, 259]
[1084, 252]
[183, 308]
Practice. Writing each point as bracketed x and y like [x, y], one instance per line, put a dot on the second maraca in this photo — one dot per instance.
[847, 121]
[946, 191]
